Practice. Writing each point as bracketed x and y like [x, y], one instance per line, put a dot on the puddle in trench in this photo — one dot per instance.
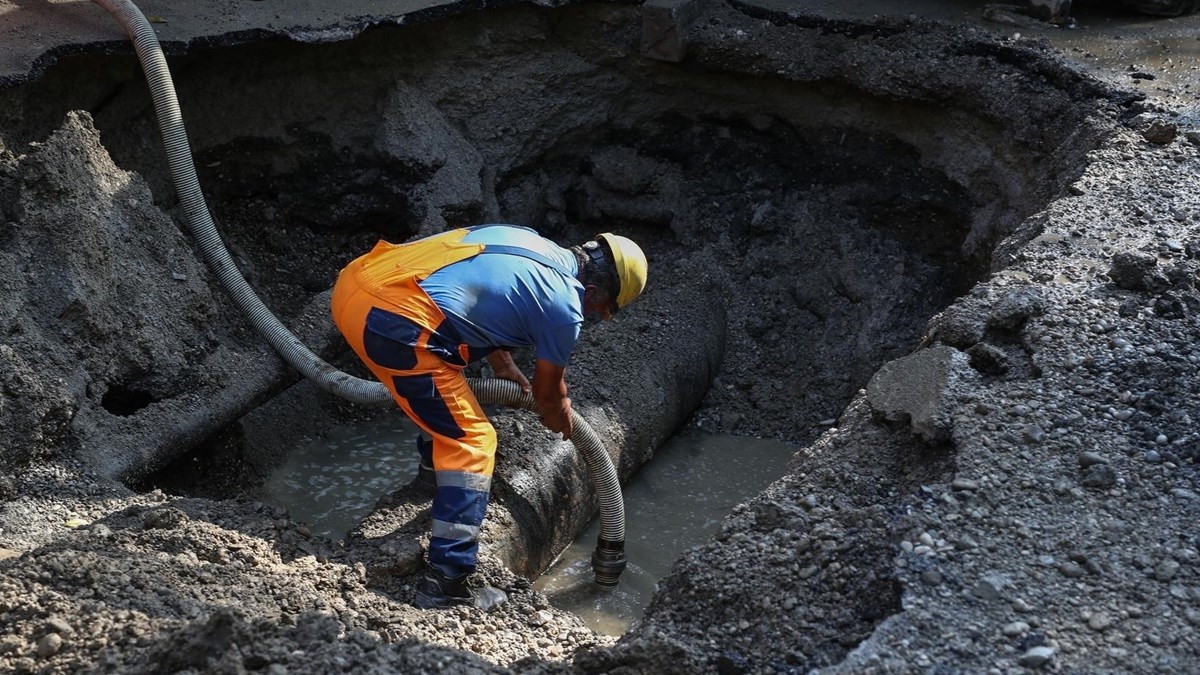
[331, 483]
[675, 502]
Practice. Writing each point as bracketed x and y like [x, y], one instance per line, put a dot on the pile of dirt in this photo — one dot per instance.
[1015, 493]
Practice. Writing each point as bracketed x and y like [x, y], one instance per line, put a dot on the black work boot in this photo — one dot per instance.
[437, 591]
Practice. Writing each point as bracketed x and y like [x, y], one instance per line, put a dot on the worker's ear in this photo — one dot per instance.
[596, 303]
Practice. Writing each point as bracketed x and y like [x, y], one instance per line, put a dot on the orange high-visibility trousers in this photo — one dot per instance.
[404, 339]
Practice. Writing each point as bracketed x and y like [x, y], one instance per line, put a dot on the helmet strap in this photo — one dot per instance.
[596, 253]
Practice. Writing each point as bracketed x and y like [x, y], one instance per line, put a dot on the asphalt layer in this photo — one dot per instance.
[34, 33]
[1018, 492]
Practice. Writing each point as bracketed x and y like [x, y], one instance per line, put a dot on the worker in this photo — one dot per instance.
[418, 313]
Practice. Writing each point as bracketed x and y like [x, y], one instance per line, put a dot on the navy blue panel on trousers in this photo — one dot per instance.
[460, 505]
[444, 343]
[453, 557]
[457, 515]
[425, 449]
[427, 403]
[391, 340]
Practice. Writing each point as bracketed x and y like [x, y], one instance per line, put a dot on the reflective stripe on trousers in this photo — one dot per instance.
[403, 338]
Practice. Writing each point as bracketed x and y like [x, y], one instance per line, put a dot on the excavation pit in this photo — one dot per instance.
[819, 195]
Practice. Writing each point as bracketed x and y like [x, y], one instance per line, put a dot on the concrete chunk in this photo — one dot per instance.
[664, 28]
[914, 388]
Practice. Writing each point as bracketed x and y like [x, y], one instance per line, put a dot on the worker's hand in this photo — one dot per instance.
[514, 374]
[506, 369]
[550, 393]
[558, 419]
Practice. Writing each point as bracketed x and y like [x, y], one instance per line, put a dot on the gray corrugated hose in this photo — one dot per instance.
[183, 174]
[608, 559]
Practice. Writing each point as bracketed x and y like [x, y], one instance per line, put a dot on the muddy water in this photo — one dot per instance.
[330, 483]
[675, 502]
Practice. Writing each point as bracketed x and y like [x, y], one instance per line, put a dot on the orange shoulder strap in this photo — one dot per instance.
[389, 264]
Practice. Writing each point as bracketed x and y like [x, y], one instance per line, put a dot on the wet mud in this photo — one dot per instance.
[839, 194]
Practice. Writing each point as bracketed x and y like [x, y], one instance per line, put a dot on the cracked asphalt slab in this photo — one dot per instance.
[35, 33]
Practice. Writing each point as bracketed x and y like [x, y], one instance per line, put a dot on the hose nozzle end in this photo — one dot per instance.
[608, 561]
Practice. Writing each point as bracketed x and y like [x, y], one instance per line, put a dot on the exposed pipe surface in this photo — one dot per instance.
[608, 561]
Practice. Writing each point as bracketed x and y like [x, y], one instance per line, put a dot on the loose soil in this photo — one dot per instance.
[959, 275]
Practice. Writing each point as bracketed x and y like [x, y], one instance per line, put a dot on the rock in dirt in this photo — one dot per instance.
[1160, 132]
[1014, 629]
[1036, 657]
[1166, 570]
[489, 597]
[165, 518]
[1136, 271]
[1099, 476]
[989, 587]
[1015, 308]
[915, 388]
[49, 645]
[58, 625]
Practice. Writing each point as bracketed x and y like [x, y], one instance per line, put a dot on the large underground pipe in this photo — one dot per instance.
[608, 560]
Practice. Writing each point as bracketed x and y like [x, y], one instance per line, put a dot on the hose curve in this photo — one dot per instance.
[200, 222]
[587, 442]
[609, 558]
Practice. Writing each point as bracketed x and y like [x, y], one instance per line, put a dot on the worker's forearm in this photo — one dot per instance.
[550, 394]
[500, 359]
[549, 385]
[505, 368]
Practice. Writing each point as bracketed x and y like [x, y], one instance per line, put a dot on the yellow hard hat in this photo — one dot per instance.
[631, 266]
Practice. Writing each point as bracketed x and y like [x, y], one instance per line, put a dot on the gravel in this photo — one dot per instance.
[1032, 506]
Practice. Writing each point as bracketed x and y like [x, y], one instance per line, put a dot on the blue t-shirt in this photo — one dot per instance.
[505, 300]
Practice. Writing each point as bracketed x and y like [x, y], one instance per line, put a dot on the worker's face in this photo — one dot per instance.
[597, 306]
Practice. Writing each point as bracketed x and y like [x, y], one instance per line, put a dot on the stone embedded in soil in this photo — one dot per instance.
[1034, 434]
[1099, 622]
[1166, 570]
[1014, 629]
[988, 359]
[916, 389]
[1016, 307]
[1160, 132]
[1036, 657]
[1135, 271]
[1099, 476]
[49, 645]
[58, 625]
[964, 485]
[164, 518]
[989, 587]
[1071, 570]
